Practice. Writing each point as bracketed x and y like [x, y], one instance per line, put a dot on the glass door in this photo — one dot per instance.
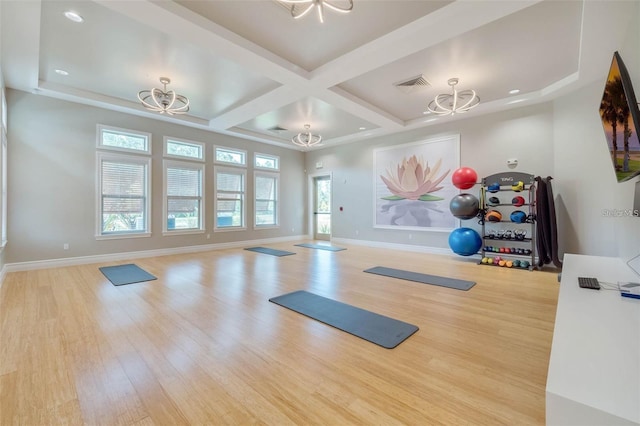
[322, 207]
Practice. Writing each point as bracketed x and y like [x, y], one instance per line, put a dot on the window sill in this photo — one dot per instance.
[182, 232]
[258, 227]
[230, 229]
[123, 236]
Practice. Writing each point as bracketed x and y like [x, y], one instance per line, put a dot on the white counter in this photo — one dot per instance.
[594, 368]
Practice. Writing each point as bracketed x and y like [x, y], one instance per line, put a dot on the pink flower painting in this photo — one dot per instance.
[413, 179]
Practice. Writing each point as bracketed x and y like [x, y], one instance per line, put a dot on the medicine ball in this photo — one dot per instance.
[518, 186]
[494, 187]
[493, 201]
[518, 216]
[493, 216]
[464, 206]
[518, 201]
[464, 178]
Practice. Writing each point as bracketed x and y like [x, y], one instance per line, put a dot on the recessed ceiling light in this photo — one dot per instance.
[73, 16]
[514, 91]
[62, 72]
[363, 128]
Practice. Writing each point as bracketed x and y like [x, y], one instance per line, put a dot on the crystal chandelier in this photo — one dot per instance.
[300, 8]
[455, 103]
[159, 100]
[306, 139]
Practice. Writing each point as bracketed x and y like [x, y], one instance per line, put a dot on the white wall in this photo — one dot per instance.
[485, 144]
[52, 182]
[591, 204]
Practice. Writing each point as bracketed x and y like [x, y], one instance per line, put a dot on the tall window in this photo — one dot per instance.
[124, 187]
[3, 210]
[266, 201]
[229, 198]
[183, 196]
[3, 164]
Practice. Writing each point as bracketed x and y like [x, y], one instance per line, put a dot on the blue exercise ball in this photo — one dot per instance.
[465, 241]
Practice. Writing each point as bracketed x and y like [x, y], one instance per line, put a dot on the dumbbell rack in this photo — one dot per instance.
[525, 246]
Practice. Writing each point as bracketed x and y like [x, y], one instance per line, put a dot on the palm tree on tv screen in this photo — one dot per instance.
[613, 102]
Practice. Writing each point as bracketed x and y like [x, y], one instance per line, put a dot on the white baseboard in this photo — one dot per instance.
[404, 247]
[113, 257]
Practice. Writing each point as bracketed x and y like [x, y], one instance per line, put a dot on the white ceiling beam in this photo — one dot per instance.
[443, 24]
[277, 98]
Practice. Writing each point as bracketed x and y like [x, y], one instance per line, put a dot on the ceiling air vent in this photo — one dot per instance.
[277, 129]
[413, 84]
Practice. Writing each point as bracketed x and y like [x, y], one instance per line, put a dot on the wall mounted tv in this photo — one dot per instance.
[621, 121]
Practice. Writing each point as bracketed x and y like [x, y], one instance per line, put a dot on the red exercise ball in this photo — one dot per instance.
[464, 178]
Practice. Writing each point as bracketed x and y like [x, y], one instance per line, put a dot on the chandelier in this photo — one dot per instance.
[306, 139]
[159, 100]
[300, 8]
[457, 102]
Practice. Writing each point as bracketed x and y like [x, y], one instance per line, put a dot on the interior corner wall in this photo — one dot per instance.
[52, 182]
[486, 142]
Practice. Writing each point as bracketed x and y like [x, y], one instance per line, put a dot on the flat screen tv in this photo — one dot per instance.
[621, 121]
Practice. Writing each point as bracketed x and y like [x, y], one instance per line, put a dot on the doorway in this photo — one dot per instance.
[321, 207]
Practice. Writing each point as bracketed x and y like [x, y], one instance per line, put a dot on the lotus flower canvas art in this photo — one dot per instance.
[413, 179]
[412, 185]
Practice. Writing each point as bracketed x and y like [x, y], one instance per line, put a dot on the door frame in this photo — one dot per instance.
[311, 198]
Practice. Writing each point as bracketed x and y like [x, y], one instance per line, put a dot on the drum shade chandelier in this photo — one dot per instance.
[306, 139]
[300, 8]
[454, 103]
[159, 100]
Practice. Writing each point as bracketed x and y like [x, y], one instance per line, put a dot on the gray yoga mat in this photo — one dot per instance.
[267, 250]
[384, 331]
[422, 278]
[321, 247]
[126, 274]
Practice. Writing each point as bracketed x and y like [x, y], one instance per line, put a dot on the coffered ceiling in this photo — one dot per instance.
[252, 71]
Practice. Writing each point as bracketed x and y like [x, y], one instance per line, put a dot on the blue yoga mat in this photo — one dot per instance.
[272, 252]
[422, 278]
[126, 274]
[321, 247]
[384, 331]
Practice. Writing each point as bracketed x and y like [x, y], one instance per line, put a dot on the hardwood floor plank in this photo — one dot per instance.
[203, 345]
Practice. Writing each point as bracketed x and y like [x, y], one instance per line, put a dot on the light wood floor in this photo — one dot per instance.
[202, 344]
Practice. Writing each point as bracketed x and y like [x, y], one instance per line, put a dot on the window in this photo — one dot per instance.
[230, 156]
[123, 195]
[264, 161]
[183, 196]
[183, 149]
[3, 162]
[123, 140]
[229, 199]
[4, 110]
[266, 202]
